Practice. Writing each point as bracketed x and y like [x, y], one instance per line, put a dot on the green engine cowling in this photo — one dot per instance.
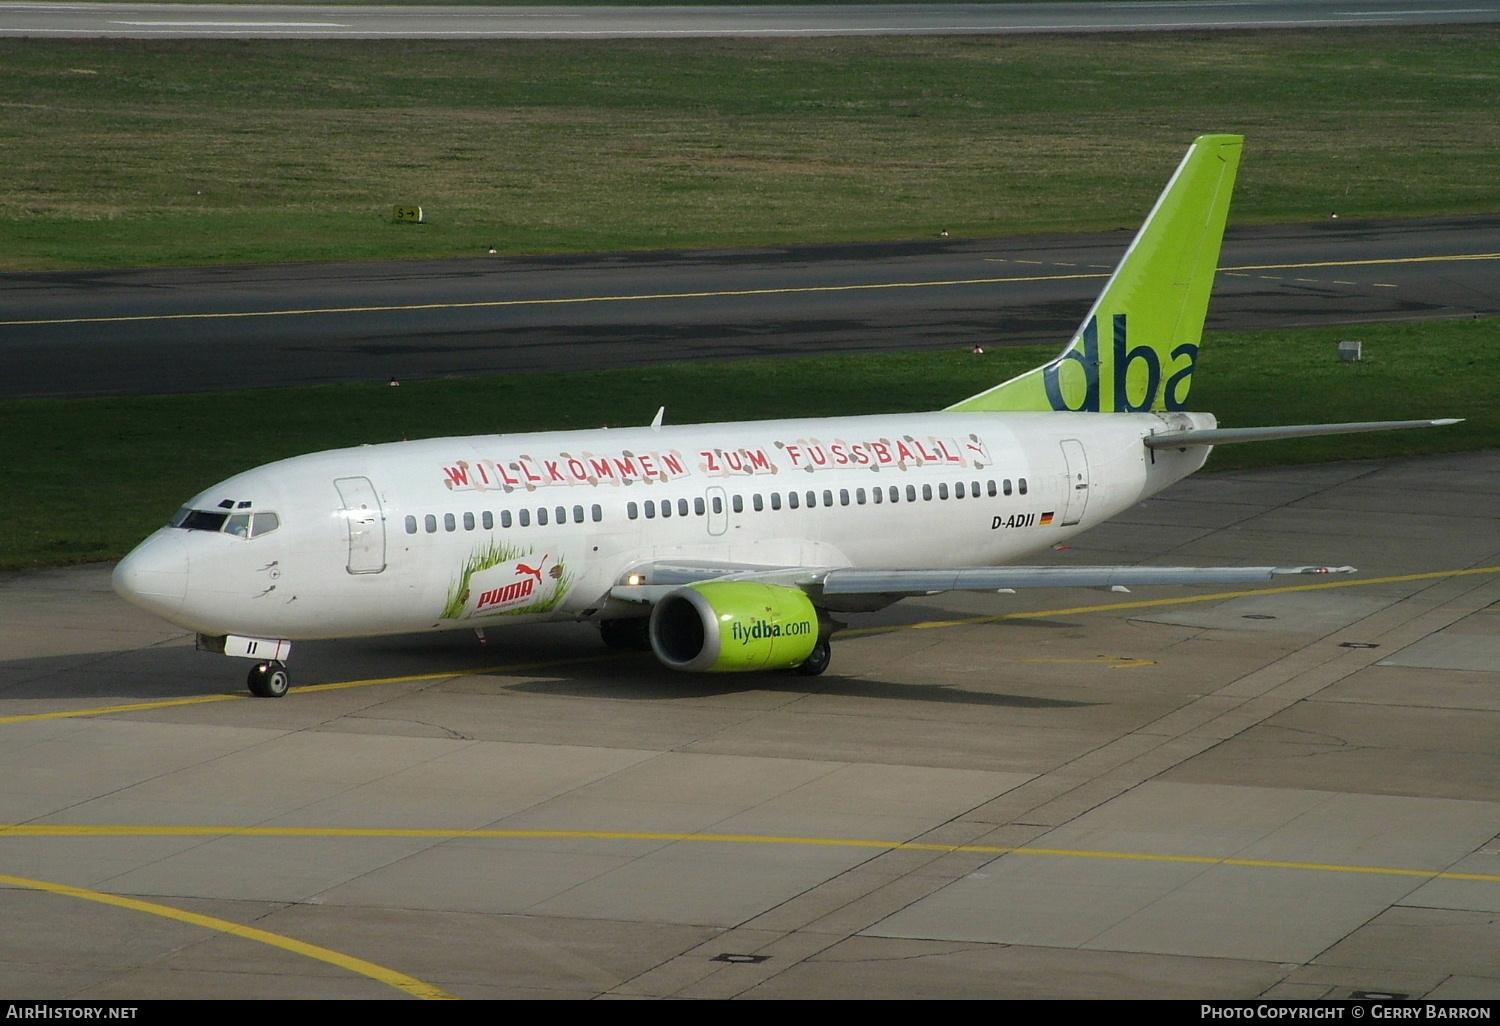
[734, 626]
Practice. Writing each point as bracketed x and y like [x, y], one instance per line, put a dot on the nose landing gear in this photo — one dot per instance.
[269, 680]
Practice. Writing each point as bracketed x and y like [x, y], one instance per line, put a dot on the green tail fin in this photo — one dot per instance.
[1137, 347]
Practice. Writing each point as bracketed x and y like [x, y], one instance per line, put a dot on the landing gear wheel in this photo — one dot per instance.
[269, 680]
[817, 661]
[633, 633]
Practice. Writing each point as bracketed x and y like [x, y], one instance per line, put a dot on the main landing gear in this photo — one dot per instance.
[630, 633]
[269, 680]
[817, 660]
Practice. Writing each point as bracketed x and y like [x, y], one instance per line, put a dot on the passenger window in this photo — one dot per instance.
[859, 497]
[666, 507]
[758, 502]
[1007, 486]
[561, 514]
[488, 520]
[828, 497]
[525, 516]
[597, 512]
[911, 493]
[958, 490]
[776, 500]
[411, 525]
[927, 493]
[1021, 485]
[698, 507]
[791, 500]
[878, 494]
[449, 523]
[505, 518]
[992, 487]
[812, 499]
[541, 516]
[468, 521]
[682, 508]
[430, 522]
[943, 490]
[632, 510]
[650, 510]
[738, 502]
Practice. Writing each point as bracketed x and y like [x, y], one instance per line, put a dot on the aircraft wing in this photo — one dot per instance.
[1007, 578]
[653, 581]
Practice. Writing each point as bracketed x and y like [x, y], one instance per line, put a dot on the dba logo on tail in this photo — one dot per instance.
[1136, 374]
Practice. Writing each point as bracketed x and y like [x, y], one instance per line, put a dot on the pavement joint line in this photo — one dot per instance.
[710, 294]
[1096, 776]
[402, 982]
[125, 830]
[859, 632]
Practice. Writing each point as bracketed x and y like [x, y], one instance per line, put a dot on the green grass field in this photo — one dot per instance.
[87, 479]
[131, 153]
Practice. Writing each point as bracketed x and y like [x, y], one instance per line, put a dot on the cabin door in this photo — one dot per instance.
[1076, 489]
[366, 523]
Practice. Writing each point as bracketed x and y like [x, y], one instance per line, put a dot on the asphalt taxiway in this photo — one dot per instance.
[190, 330]
[1282, 792]
[311, 21]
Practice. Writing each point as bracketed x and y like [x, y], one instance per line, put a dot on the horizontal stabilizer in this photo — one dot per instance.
[1224, 436]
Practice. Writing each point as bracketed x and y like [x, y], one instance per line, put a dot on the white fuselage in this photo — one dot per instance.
[486, 530]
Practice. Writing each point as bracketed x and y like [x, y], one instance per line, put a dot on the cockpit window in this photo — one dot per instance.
[199, 519]
[264, 523]
[241, 525]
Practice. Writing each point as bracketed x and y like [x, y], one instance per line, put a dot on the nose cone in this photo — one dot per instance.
[155, 575]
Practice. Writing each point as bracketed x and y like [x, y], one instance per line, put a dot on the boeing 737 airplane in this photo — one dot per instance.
[729, 547]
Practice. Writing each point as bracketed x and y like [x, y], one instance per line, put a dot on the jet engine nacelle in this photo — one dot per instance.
[734, 626]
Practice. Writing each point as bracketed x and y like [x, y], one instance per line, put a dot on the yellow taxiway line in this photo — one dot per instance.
[410, 985]
[557, 301]
[707, 294]
[105, 710]
[419, 989]
[1038, 614]
[1221, 596]
[406, 833]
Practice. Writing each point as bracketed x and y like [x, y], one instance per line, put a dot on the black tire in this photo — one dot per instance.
[632, 633]
[817, 661]
[269, 680]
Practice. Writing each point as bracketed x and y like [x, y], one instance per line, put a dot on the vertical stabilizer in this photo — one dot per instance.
[1138, 345]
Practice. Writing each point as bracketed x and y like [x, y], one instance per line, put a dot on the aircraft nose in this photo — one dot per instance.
[155, 574]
